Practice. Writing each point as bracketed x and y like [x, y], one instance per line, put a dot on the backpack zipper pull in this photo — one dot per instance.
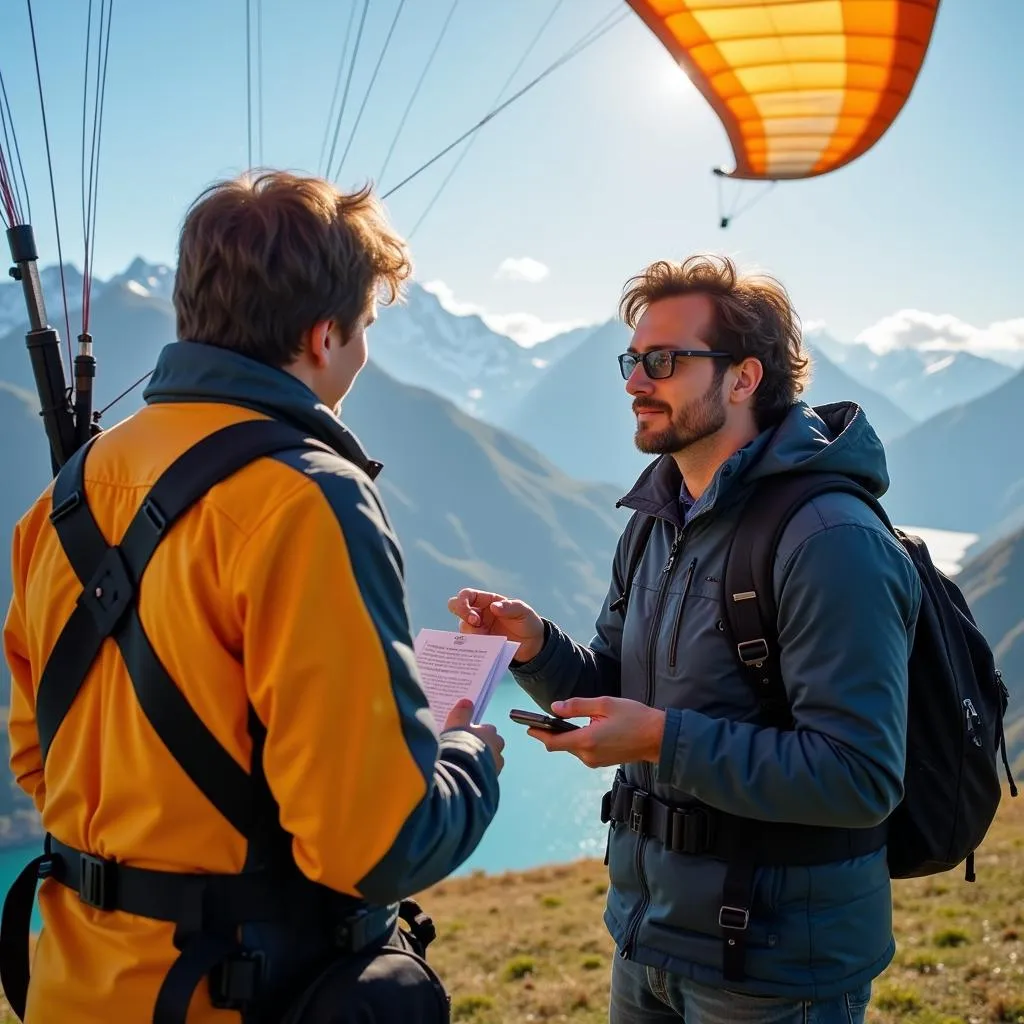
[973, 719]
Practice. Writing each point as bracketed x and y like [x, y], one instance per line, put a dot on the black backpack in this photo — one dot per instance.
[957, 698]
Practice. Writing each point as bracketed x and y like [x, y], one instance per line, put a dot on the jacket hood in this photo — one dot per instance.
[834, 438]
[190, 371]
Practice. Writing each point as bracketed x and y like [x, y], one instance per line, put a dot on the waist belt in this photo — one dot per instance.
[207, 910]
[743, 843]
[708, 832]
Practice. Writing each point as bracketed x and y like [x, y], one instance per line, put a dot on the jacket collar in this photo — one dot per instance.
[656, 491]
[834, 438]
[189, 371]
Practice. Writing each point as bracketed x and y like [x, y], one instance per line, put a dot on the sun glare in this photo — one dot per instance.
[672, 82]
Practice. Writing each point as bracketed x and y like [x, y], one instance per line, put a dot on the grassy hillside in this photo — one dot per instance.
[531, 946]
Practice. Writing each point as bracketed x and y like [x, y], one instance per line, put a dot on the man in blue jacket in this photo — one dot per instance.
[715, 369]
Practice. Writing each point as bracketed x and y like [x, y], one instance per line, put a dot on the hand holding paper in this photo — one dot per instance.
[456, 665]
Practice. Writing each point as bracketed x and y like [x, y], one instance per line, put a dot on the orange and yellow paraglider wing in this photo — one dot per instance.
[801, 86]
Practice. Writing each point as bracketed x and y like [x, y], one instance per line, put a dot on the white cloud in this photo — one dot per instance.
[524, 268]
[942, 332]
[525, 329]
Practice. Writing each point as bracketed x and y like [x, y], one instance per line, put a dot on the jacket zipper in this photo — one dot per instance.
[690, 570]
[652, 643]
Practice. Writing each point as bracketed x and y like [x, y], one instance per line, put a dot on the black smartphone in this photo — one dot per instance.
[538, 721]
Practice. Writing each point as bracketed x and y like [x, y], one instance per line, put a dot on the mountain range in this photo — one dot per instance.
[502, 464]
[513, 522]
[963, 469]
[580, 416]
[922, 382]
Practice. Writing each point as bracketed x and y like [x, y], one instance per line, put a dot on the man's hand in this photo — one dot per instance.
[460, 717]
[620, 730]
[480, 611]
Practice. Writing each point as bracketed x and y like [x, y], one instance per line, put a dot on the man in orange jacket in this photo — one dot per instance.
[220, 718]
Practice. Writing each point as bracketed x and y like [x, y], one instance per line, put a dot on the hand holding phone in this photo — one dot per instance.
[535, 720]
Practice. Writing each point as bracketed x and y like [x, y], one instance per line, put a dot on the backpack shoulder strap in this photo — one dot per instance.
[110, 577]
[749, 593]
[638, 532]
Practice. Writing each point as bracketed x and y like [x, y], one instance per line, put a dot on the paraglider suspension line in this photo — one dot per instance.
[127, 391]
[497, 99]
[564, 59]
[416, 89]
[369, 88]
[14, 200]
[53, 188]
[348, 85]
[90, 184]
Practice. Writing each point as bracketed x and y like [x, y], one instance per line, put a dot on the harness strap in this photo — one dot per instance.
[706, 832]
[207, 909]
[111, 576]
[15, 930]
[743, 843]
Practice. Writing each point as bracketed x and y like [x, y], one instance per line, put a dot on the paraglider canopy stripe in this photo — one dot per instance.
[801, 86]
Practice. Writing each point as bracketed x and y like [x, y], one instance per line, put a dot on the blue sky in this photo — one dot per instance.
[600, 169]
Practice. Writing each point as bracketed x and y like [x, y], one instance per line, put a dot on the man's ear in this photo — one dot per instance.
[745, 378]
[319, 342]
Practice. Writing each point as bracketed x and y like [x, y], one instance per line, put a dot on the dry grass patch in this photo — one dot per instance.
[528, 947]
[960, 958]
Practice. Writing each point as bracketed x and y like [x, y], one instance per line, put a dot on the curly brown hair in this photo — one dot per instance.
[753, 318]
[261, 259]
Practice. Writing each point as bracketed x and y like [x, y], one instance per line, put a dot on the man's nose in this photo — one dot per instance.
[638, 383]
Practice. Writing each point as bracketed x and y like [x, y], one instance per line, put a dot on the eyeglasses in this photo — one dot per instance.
[661, 362]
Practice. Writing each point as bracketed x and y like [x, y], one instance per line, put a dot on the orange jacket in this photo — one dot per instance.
[281, 587]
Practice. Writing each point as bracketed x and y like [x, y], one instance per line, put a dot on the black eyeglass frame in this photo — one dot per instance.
[633, 359]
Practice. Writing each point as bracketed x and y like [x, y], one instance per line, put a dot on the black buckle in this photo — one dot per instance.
[734, 918]
[690, 831]
[354, 933]
[154, 515]
[71, 502]
[97, 880]
[753, 652]
[420, 923]
[235, 981]
[606, 807]
[636, 811]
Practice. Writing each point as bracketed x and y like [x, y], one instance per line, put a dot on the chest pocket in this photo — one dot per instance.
[699, 668]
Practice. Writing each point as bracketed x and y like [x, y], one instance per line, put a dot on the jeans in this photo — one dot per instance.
[648, 995]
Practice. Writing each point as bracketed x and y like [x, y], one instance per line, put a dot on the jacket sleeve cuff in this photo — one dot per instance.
[553, 640]
[671, 746]
[463, 744]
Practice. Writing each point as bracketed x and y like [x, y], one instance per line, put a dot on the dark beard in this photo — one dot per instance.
[703, 417]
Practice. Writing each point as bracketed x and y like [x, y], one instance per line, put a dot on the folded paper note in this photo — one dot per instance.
[456, 665]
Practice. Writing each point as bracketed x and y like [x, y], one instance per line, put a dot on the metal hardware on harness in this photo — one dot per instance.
[753, 652]
[734, 918]
[108, 593]
[636, 811]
